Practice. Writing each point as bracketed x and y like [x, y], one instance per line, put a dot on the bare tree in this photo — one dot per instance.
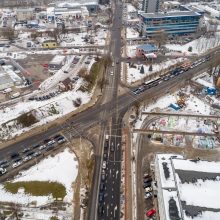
[102, 82]
[160, 38]
[8, 33]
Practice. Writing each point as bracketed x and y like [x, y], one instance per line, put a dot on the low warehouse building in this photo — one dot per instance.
[57, 62]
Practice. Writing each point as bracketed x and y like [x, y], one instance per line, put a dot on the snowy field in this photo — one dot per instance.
[50, 169]
[131, 33]
[199, 45]
[45, 111]
[133, 74]
[194, 105]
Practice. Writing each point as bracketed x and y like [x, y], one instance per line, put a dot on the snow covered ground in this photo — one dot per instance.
[194, 105]
[204, 79]
[130, 50]
[131, 33]
[50, 169]
[45, 111]
[199, 45]
[133, 74]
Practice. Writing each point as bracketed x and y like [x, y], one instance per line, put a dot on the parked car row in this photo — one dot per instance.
[45, 97]
[18, 158]
[166, 77]
[148, 191]
[102, 186]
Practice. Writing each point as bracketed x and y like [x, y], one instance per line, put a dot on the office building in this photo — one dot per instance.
[149, 6]
[172, 23]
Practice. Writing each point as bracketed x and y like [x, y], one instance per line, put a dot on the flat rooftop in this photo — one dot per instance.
[190, 188]
[57, 59]
[170, 14]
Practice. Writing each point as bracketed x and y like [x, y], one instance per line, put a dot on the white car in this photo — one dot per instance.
[2, 171]
[148, 195]
[104, 165]
[111, 73]
[27, 158]
[16, 164]
[148, 189]
[51, 142]
[42, 147]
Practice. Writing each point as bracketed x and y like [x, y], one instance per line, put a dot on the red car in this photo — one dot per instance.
[150, 212]
[45, 65]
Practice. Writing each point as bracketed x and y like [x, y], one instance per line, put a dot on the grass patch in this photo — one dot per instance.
[27, 119]
[97, 68]
[7, 212]
[54, 218]
[38, 188]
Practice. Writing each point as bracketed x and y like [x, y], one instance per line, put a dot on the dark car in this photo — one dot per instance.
[112, 148]
[105, 156]
[5, 165]
[101, 210]
[146, 180]
[17, 159]
[101, 197]
[14, 155]
[102, 186]
[103, 177]
[36, 146]
[25, 150]
[148, 184]
[3, 162]
[30, 154]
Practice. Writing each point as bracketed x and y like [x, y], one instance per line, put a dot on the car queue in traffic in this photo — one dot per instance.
[16, 159]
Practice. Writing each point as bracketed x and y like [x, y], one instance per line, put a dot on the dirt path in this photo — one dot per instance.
[84, 152]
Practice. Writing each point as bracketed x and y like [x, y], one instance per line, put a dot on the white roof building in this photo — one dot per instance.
[187, 189]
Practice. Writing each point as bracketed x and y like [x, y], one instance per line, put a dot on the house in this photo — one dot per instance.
[145, 49]
[66, 85]
[24, 14]
[49, 44]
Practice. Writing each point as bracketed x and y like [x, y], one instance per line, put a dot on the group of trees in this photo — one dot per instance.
[8, 33]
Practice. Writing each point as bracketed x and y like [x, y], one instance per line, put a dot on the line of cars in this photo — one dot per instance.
[173, 73]
[45, 97]
[148, 193]
[102, 186]
[18, 158]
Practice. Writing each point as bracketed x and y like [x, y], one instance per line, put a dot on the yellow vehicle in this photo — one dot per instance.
[49, 44]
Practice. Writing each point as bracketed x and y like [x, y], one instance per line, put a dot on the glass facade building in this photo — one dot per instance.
[173, 23]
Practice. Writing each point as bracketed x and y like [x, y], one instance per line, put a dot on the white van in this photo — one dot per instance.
[15, 95]
[7, 90]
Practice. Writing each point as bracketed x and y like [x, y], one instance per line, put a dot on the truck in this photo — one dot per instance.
[15, 95]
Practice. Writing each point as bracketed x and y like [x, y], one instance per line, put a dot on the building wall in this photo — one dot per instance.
[160, 199]
[171, 25]
[149, 6]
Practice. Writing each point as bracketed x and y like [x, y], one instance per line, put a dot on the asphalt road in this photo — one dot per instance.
[92, 116]
[100, 113]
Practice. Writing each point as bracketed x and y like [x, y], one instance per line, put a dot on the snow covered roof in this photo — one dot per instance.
[166, 170]
[170, 14]
[57, 59]
[4, 79]
[147, 47]
[189, 188]
[25, 9]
